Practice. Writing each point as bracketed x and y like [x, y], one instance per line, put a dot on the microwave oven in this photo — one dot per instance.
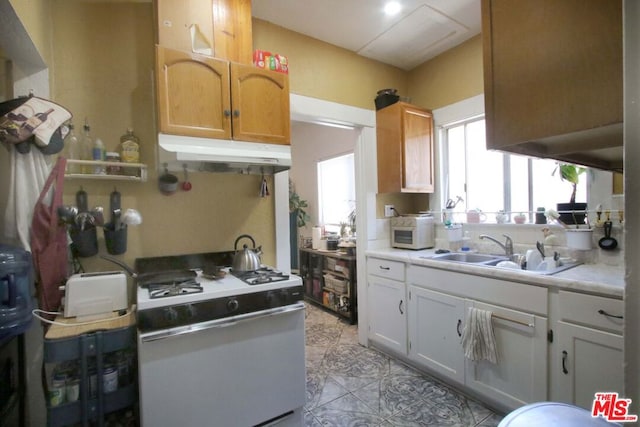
[412, 232]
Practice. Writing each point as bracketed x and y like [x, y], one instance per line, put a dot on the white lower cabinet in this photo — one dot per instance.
[586, 355]
[435, 328]
[387, 313]
[520, 376]
[438, 305]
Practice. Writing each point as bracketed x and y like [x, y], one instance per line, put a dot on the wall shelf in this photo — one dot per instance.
[140, 167]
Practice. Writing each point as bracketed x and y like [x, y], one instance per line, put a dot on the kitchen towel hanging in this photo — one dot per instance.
[49, 241]
[478, 338]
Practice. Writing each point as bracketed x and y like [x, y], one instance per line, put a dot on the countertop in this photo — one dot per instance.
[598, 279]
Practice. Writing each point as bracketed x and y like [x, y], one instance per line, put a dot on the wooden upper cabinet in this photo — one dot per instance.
[193, 94]
[260, 104]
[219, 28]
[553, 79]
[211, 98]
[405, 149]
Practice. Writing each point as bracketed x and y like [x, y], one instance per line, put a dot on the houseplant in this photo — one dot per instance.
[298, 217]
[572, 212]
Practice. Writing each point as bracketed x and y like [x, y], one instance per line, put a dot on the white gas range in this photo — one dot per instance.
[222, 349]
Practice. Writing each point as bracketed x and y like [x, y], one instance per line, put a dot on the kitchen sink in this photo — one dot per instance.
[488, 260]
[468, 257]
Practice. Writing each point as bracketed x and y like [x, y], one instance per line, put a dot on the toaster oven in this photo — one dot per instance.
[412, 232]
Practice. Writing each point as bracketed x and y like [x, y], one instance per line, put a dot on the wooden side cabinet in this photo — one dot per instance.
[330, 281]
[405, 149]
[223, 26]
[207, 97]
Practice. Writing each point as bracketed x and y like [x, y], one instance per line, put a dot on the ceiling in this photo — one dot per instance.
[423, 28]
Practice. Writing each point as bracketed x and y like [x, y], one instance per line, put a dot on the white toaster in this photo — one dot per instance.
[95, 295]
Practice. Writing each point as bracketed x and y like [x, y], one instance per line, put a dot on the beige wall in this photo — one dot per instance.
[448, 78]
[102, 61]
[102, 69]
[324, 71]
[35, 15]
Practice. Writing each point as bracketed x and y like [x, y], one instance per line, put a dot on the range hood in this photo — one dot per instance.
[221, 155]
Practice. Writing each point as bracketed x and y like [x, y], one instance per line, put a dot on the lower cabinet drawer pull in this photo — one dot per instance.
[384, 268]
[564, 362]
[458, 327]
[604, 313]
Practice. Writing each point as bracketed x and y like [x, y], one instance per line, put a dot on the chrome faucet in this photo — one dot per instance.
[507, 246]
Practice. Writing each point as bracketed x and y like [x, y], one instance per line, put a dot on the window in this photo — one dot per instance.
[492, 181]
[336, 190]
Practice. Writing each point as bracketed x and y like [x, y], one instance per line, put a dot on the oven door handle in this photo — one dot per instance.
[220, 323]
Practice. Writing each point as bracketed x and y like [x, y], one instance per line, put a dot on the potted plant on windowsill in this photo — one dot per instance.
[572, 212]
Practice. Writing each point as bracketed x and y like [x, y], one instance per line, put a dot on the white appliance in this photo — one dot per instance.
[229, 354]
[222, 155]
[95, 295]
[412, 232]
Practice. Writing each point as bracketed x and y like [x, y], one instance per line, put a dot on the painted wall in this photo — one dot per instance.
[324, 71]
[36, 18]
[102, 69]
[448, 78]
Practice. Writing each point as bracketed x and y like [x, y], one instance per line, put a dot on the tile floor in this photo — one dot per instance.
[350, 385]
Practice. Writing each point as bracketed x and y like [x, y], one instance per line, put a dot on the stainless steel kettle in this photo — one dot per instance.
[247, 259]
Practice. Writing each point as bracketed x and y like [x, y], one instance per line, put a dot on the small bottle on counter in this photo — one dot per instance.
[112, 156]
[72, 147]
[129, 151]
[99, 155]
[86, 146]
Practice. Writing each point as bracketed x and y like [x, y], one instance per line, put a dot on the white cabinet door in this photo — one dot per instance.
[435, 329]
[586, 361]
[387, 313]
[520, 376]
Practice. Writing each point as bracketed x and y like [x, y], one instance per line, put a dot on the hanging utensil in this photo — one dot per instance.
[264, 189]
[82, 200]
[186, 185]
[115, 203]
[607, 242]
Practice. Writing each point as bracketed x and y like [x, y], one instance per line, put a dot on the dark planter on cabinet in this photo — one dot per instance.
[572, 213]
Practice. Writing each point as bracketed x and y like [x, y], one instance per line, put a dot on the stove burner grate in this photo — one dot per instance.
[261, 276]
[164, 290]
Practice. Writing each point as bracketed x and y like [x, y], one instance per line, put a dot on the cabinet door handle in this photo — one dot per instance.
[384, 268]
[226, 113]
[604, 313]
[458, 327]
[400, 307]
[565, 355]
[236, 113]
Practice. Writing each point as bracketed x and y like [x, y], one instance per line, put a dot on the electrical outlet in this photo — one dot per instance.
[388, 210]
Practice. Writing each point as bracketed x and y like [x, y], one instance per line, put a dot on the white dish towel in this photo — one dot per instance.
[478, 339]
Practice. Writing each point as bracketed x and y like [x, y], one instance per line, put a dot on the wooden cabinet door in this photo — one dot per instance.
[176, 19]
[435, 329]
[222, 26]
[553, 69]
[260, 103]
[520, 376]
[405, 149]
[193, 94]
[232, 30]
[417, 150]
[387, 314]
[586, 361]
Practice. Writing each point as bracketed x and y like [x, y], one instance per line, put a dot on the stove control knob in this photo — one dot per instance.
[170, 315]
[191, 311]
[232, 305]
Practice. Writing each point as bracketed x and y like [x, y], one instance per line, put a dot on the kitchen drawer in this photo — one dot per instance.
[384, 268]
[590, 310]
